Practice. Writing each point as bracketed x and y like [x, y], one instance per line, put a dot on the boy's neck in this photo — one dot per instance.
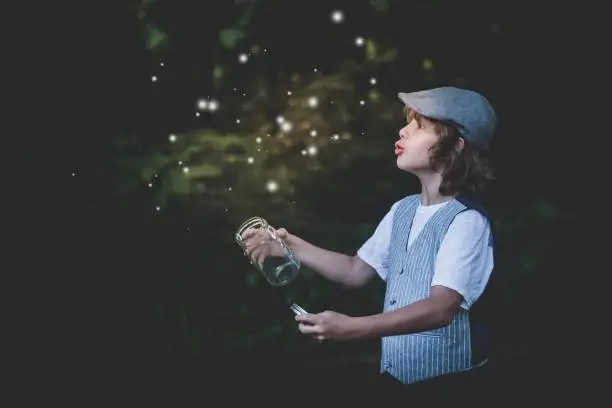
[430, 190]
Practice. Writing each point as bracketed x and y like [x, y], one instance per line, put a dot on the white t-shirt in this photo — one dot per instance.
[464, 261]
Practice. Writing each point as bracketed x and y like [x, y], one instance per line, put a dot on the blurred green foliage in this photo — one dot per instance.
[212, 177]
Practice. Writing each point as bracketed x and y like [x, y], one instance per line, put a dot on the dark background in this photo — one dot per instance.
[150, 302]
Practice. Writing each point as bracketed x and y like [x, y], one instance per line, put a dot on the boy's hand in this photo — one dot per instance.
[327, 325]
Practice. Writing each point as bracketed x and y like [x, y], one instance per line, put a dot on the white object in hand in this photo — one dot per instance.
[297, 309]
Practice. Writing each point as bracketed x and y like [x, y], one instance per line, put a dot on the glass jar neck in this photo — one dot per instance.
[251, 223]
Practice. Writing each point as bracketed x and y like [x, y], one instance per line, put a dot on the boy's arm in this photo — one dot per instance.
[352, 271]
[340, 268]
[463, 266]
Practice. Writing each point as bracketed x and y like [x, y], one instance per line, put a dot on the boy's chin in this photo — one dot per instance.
[404, 166]
[409, 168]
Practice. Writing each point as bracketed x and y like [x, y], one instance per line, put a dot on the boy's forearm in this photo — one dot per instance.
[420, 316]
[331, 265]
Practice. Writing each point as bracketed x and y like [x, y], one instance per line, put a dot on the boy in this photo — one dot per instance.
[434, 250]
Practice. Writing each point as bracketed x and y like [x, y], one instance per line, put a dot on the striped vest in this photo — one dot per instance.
[419, 356]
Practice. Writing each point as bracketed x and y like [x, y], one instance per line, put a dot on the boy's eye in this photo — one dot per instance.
[419, 125]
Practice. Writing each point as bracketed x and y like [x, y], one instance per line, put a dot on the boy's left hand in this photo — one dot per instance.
[327, 325]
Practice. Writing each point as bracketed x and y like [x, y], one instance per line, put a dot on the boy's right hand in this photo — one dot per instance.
[259, 244]
[282, 233]
[290, 239]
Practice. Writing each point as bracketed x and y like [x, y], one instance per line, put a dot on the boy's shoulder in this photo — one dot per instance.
[472, 203]
[409, 199]
[406, 200]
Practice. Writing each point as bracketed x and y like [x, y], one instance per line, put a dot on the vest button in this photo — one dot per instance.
[392, 302]
[402, 271]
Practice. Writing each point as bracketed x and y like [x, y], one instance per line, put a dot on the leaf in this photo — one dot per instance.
[370, 50]
[382, 6]
[142, 7]
[180, 184]
[154, 36]
[388, 56]
[204, 170]
[218, 141]
[217, 73]
[229, 37]
[246, 19]
[150, 165]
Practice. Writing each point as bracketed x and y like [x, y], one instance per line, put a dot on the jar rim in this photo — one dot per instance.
[258, 222]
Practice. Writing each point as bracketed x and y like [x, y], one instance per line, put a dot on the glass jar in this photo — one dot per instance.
[270, 255]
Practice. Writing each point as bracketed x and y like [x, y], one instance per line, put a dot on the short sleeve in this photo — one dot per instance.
[375, 251]
[465, 258]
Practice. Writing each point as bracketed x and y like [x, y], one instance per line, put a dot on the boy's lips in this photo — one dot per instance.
[398, 148]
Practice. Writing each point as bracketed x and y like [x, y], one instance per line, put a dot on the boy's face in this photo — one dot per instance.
[412, 148]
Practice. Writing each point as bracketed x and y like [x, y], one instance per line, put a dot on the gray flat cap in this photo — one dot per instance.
[467, 110]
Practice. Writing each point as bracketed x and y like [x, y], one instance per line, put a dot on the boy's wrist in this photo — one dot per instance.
[297, 245]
